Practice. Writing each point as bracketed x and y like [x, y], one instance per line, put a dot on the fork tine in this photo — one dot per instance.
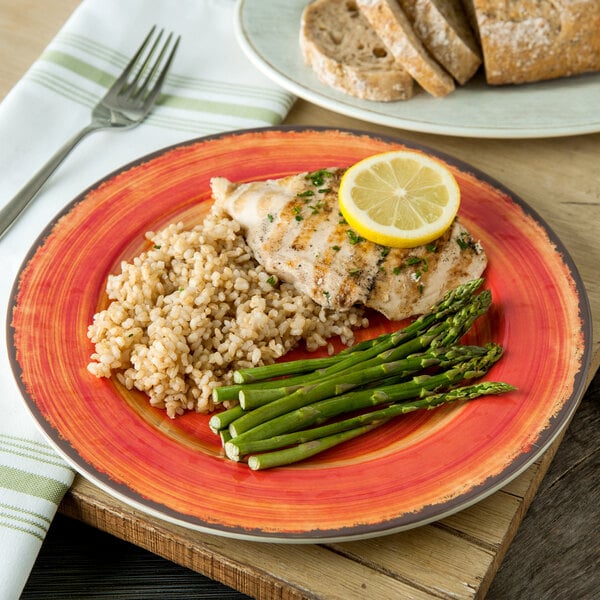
[155, 66]
[153, 92]
[131, 87]
[122, 79]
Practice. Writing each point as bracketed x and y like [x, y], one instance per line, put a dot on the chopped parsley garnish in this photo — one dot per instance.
[336, 248]
[354, 272]
[305, 194]
[270, 217]
[316, 208]
[272, 280]
[318, 177]
[466, 242]
[353, 237]
[412, 261]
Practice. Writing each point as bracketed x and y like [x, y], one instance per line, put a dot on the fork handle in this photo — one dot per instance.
[10, 212]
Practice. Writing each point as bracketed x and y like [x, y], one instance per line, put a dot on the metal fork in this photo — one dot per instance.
[126, 104]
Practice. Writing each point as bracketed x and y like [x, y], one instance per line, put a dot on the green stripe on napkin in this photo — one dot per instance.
[78, 66]
[23, 520]
[32, 484]
[247, 101]
[93, 49]
[30, 449]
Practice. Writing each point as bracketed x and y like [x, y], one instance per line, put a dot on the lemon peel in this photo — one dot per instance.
[400, 198]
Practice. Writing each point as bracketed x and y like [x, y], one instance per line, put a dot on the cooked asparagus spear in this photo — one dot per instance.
[303, 444]
[240, 448]
[317, 412]
[448, 331]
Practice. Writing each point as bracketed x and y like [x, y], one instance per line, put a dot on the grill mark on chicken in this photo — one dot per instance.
[282, 233]
[295, 230]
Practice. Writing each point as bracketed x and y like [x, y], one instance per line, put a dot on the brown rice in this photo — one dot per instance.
[196, 306]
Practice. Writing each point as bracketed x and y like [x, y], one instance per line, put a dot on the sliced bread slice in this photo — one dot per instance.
[444, 29]
[395, 30]
[345, 53]
[533, 40]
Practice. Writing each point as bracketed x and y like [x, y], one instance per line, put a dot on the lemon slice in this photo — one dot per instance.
[400, 198]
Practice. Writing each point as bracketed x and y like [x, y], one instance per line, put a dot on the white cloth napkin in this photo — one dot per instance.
[211, 87]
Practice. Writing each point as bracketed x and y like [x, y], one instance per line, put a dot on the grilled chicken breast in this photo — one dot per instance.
[295, 230]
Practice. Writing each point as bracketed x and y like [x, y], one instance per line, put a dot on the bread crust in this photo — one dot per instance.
[534, 40]
[444, 29]
[346, 54]
[394, 28]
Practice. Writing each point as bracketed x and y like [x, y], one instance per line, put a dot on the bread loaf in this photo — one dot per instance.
[394, 28]
[374, 49]
[346, 54]
[444, 29]
[533, 40]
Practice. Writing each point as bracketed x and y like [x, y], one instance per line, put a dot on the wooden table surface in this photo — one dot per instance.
[554, 553]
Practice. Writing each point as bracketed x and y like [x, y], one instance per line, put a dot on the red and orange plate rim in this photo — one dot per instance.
[421, 468]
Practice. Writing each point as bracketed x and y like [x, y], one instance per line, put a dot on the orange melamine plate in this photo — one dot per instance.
[420, 468]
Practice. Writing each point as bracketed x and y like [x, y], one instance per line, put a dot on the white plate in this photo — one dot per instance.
[267, 31]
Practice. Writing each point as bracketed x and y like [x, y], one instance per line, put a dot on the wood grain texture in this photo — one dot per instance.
[554, 547]
[29, 26]
[555, 552]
